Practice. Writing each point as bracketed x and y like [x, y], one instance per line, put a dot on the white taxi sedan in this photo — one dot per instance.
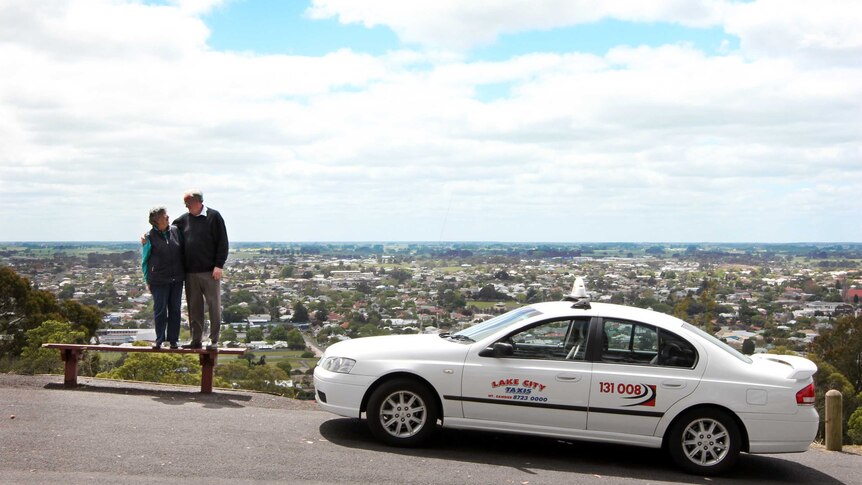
[584, 371]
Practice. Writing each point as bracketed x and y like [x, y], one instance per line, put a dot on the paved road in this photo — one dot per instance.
[310, 343]
[138, 433]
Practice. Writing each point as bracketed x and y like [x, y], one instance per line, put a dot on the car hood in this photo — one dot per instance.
[395, 347]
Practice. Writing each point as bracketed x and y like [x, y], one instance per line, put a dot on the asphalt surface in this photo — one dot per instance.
[122, 432]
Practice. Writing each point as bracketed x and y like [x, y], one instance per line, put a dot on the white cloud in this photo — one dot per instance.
[104, 112]
[460, 25]
[825, 32]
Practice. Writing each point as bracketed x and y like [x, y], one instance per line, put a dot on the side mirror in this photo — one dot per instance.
[499, 349]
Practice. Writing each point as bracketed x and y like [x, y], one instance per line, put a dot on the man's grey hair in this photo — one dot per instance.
[194, 193]
[156, 212]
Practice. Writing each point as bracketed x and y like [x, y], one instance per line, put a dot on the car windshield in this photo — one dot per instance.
[481, 330]
[723, 346]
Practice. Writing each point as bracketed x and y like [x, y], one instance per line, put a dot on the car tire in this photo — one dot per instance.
[704, 441]
[402, 412]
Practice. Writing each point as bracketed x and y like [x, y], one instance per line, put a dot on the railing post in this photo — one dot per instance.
[834, 421]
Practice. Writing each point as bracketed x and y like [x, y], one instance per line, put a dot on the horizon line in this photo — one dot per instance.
[347, 241]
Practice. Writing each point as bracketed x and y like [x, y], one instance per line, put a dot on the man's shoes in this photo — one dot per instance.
[174, 346]
[212, 346]
[158, 344]
[194, 344]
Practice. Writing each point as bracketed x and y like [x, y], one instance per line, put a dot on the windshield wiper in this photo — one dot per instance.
[462, 338]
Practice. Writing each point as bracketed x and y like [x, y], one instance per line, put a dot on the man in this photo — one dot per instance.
[205, 253]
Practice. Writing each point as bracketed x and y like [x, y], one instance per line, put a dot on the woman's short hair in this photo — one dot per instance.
[155, 212]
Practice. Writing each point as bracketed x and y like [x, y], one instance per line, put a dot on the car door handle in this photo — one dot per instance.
[673, 384]
[569, 377]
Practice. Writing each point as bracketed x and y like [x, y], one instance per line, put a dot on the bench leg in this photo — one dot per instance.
[208, 361]
[71, 358]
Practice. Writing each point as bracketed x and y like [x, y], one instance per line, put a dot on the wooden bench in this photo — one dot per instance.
[71, 354]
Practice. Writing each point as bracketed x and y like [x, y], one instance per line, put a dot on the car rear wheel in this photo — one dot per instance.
[704, 441]
[402, 412]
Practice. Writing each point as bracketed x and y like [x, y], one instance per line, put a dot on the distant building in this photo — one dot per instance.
[259, 319]
[116, 336]
[853, 296]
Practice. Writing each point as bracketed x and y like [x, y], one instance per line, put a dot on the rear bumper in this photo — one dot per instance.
[782, 433]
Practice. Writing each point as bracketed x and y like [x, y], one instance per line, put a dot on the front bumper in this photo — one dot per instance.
[340, 394]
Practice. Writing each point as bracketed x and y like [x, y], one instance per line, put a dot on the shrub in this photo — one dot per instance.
[854, 427]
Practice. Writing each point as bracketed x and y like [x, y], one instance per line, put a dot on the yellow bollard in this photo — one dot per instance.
[834, 421]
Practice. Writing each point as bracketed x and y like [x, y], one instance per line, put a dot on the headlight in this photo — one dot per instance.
[342, 365]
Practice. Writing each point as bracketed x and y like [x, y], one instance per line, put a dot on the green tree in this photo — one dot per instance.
[489, 293]
[66, 292]
[14, 291]
[254, 334]
[86, 317]
[235, 314]
[829, 377]
[748, 346]
[267, 378]
[279, 332]
[400, 275]
[274, 308]
[284, 365]
[35, 359]
[300, 313]
[232, 371]
[295, 340]
[164, 368]
[854, 427]
[228, 334]
[321, 315]
[680, 310]
[841, 346]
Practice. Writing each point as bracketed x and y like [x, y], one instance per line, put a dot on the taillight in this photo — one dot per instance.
[806, 395]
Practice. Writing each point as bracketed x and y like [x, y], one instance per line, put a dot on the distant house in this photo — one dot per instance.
[259, 319]
[853, 296]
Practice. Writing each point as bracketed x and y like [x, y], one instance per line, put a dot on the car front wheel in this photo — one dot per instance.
[402, 412]
[704, 441]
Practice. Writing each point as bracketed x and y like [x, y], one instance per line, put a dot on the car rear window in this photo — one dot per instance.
[718, 343]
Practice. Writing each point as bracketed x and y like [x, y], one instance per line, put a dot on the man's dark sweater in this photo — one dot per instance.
[205, 238]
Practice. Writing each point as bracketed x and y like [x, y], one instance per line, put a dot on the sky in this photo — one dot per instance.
[444, 120]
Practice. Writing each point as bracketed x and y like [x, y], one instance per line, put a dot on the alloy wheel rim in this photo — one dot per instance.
[403, 414]
[705, 442]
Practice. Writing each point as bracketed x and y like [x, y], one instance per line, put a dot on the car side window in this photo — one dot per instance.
[674, 351]
[628, 342]
[551, 340]
[638, 343]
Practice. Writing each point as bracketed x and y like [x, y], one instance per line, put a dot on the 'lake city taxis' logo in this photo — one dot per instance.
[517, 389]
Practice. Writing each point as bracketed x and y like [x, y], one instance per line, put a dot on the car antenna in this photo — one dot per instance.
[579, 295]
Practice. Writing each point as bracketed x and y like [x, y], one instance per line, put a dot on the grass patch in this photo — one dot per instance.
[486, 305]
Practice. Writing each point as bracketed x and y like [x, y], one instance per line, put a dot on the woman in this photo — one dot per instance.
[164, 273]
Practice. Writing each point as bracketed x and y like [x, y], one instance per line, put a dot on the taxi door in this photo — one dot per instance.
[634, 381]
[537, 378]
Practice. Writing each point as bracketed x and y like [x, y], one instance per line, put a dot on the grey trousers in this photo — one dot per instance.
[200, 287]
